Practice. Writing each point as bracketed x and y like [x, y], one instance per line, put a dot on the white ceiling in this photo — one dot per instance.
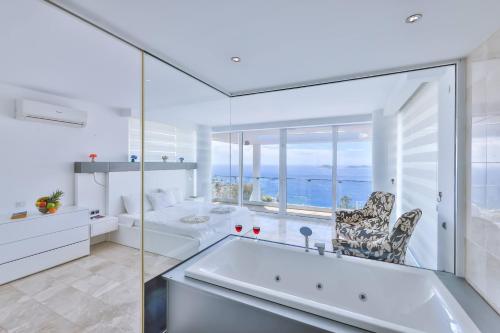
[49, 51]
[180, 100]
[329, 100]
[289, 42]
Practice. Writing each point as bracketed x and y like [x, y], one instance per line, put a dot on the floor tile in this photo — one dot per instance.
[97, 293]
[95, 285]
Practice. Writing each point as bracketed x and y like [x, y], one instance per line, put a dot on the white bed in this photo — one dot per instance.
[164, 232]
[169, 219]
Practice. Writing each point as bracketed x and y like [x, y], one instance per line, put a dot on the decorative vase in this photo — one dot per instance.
[181, 159]
[164, 158]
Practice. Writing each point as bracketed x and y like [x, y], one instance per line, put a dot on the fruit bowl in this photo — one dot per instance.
[49, 204]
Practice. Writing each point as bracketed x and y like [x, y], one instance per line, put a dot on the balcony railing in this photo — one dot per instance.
[302, 192]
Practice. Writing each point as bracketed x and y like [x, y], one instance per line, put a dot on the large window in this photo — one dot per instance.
[307, 171]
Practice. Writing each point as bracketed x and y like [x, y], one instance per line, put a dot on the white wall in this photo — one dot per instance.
[38, 158]
[482, 264]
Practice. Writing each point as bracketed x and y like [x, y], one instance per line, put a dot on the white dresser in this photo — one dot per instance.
[40, 241]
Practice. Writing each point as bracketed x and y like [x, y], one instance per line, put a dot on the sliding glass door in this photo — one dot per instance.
[354, 165]
[225, 168]
[261, 170]
[309, 168]
[306, 171]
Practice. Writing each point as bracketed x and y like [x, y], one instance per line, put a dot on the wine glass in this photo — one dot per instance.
[238, 229]
[256, 231]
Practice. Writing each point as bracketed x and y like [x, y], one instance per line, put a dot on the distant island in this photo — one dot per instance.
[328, 166]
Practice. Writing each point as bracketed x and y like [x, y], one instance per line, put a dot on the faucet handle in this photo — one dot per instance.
[320, 245]
[321, 248]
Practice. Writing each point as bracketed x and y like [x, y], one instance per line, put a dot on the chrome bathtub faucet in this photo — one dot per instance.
[321, 248]
[306, 232]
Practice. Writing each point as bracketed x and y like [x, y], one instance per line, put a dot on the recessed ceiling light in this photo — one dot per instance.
[235, 59]
[413, 18]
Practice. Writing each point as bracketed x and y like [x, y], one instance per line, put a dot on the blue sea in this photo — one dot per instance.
[307, 185]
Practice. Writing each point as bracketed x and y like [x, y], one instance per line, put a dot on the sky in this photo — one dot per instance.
[317, 154]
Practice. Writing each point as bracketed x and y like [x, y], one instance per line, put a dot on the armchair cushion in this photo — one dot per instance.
[362, 230]
[370, 250]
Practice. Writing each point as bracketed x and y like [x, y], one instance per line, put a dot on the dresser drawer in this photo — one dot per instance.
[31, 246]
[42, 225]
[20, 268]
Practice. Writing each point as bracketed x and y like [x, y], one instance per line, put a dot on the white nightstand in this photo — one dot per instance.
[103, 225]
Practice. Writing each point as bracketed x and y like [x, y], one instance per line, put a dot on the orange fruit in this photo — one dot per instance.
[52, 210]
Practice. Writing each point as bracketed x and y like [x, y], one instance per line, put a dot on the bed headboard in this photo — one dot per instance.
[129, 183]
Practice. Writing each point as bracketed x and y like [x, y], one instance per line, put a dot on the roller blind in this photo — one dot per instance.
[418, 169]
[162, 139]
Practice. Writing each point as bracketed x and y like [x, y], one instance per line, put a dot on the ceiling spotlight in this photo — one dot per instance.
[413, 18]
[235, 59]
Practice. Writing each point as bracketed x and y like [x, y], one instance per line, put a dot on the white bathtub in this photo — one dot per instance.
[367, 294]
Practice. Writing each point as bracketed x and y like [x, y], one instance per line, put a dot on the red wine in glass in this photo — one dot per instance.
[238, 228]
[256, 231]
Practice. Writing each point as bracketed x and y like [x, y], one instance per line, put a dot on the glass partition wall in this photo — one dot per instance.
[189, 172]
[214, 168]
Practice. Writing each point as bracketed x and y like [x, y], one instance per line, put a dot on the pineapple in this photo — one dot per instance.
[55, 197]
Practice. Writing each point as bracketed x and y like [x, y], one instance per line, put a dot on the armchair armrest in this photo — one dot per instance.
[348, 216]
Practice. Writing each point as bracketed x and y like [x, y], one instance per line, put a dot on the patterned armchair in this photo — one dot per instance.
[373, 244]
[374, 215]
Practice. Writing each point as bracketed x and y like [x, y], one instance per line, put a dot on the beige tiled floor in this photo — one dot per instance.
[98, 293]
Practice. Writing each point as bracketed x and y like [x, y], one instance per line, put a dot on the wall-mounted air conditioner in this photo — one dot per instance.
[49, 113]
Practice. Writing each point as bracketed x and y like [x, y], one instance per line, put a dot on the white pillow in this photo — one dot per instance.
[176, 193]
[161, 200]
[132, 204]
